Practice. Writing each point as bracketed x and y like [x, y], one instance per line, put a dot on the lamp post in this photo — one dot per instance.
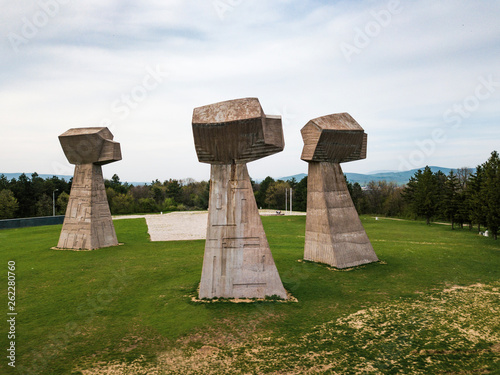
[54, 202]
[291, 192]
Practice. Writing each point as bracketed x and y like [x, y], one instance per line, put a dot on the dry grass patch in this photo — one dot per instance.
[453, 331]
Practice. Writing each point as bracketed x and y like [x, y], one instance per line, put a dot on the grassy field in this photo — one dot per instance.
[430, 306]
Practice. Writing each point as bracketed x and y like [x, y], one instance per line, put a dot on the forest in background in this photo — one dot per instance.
[461, 197]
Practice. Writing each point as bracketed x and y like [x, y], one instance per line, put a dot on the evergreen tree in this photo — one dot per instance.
[356, 195]
[300, 196]
[475, 198]
[23, 191]
[422, 193]
[173, 190]
[451, 203]
[4, 183]
[491, 189]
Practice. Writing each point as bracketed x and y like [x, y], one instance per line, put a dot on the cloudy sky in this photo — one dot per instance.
[421, 77]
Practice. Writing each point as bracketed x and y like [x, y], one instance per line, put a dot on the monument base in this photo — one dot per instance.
[238, 262]
[88, 224]
[334, 233]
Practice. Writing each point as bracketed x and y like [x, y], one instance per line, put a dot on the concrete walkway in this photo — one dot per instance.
[183, 225]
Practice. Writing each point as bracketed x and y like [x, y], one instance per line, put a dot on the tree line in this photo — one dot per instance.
[32, 196]
[462, 197]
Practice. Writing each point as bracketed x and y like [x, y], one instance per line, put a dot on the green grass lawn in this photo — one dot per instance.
[432, 305]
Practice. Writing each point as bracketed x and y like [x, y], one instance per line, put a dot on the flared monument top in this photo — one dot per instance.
[90, 145]
[334, 138]
[235, 130]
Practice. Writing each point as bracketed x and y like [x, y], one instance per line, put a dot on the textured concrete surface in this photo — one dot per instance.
[334, 233]
[88, 224]
[235, 130]
[238, 262]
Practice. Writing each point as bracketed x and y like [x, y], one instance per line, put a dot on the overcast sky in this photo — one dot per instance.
[421, 77]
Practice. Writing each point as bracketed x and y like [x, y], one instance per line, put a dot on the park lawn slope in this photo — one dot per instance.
[430, 305]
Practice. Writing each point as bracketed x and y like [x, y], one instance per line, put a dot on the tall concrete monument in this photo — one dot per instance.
[88, 224]
[334, 233]
[238, 262]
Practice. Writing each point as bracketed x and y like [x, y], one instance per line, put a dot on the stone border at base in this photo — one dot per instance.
[107, 247]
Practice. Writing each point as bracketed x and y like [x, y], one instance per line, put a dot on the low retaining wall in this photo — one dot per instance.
[31, 222]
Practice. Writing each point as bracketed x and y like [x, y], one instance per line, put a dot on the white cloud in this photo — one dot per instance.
[287, 53]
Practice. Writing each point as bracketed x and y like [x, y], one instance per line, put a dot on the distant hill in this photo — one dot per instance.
[399, 178]
[297, 177]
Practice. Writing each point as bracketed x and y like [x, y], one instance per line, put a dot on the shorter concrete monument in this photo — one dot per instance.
[334, 233]
[88, 224]
[238, 262]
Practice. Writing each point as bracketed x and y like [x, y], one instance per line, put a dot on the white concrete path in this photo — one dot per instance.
[183, 225]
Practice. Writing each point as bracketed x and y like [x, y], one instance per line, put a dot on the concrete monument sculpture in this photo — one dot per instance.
[88, 224]
[238, 262]
[334, 233]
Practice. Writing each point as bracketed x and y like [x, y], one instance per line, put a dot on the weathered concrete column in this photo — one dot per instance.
[88, 224]
[238, 262]
[334, 233]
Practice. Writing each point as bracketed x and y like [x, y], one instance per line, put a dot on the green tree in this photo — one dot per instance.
[356, 196]
[62, 203]
[476, 199]
[43, 206]
[117, 185]
[122, 204]
[261, 194]
[158, 191]
[276, 195]
[169, 205]
[8, 204]
[300, 196]
[24, 193]
[394, 204]
[173, 190]
[491, 190]
[374, 199]
[146, 205]
[451, 201]
[141, 191]
[422, 193]
[4, 183]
